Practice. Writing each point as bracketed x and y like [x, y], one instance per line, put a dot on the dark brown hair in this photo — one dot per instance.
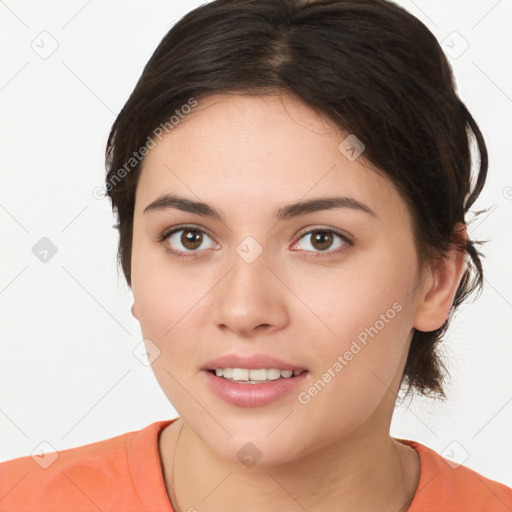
[370, 67]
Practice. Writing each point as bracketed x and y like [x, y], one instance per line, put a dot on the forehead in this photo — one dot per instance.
[263, 151]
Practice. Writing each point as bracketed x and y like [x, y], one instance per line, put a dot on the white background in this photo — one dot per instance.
[68, 375]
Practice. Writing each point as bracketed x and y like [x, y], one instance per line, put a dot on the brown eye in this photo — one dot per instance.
[324, 241]
[321, 240]
[186, 241]
[191, 239]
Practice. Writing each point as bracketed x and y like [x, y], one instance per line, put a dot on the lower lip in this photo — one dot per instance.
[252, 395]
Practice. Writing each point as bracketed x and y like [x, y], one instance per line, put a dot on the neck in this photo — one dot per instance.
[367, 472]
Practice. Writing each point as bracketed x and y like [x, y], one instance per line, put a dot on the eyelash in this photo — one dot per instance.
[193, 254]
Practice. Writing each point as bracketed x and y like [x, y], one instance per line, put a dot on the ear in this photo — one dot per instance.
[440, 286]
[133, 311]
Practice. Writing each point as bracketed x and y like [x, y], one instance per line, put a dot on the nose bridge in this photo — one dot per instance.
[250, 275]
[249, 295]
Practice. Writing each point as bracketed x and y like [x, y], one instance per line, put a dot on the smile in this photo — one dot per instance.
[255, 376]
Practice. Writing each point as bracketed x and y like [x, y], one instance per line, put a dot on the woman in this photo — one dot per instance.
[291, 180]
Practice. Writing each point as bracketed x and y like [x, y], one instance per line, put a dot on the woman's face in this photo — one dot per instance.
[333, 291]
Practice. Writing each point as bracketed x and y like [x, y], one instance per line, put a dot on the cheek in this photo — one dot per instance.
[167, 306]
[363, 322]
[356, 372]
[358, 301]
[164, 291]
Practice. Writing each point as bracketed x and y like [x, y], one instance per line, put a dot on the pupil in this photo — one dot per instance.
[324, 238]
[191, 239]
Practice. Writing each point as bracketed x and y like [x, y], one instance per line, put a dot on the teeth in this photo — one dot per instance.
[240, 374]
[273, 374]
[259, 375]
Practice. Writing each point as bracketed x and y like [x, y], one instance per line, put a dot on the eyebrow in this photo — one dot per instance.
[173, 201]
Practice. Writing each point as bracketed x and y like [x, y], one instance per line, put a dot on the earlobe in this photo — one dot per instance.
[133, 311]
[441, 285]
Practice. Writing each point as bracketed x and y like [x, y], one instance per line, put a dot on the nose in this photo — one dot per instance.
[251, 298]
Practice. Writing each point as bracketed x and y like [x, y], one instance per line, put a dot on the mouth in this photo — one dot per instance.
[254, 375]
[257, 380]
[253, 380]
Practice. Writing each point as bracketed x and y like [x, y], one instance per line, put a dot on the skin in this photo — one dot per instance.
[247, 156]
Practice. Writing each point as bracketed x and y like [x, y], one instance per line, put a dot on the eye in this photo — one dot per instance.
[324, 239]
[190, 238]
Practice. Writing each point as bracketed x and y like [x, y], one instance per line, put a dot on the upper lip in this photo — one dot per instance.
[252, 362]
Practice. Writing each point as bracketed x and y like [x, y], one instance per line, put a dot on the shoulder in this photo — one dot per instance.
[79, 479]
[450, 487]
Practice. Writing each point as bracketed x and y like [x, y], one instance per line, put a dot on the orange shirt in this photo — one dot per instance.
[123, 474]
